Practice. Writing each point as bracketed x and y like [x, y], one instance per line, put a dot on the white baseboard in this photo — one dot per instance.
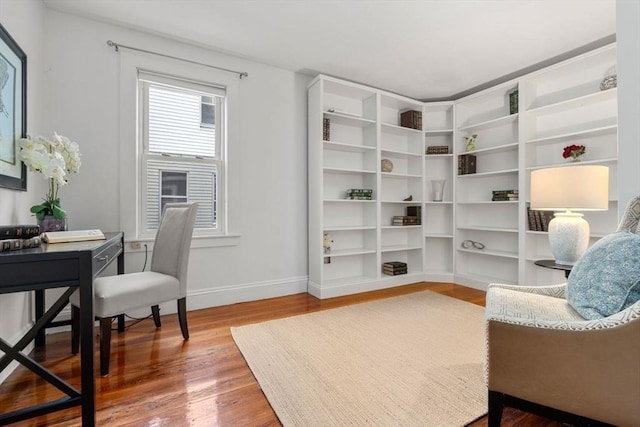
[225, 295]
[370, 285]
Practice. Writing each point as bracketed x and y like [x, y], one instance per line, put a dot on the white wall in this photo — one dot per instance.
[628, 67]
[24, 20]
[82, 102]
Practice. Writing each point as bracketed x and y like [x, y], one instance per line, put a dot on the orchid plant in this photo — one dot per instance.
[55, 159]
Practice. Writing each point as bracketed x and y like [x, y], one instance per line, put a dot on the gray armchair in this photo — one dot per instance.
[544, 357]
[166, 281]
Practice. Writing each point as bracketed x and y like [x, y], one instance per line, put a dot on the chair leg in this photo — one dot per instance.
[182, 317]
[75, 329]
[496, 404]
[155, 310]
[105, 344]
[120, 322]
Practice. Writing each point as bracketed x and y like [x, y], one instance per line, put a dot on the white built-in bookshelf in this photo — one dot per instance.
[557, 106]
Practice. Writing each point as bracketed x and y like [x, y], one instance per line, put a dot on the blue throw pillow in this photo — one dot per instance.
[606, 279]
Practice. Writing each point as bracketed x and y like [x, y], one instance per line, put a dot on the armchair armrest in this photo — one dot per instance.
[556, 291]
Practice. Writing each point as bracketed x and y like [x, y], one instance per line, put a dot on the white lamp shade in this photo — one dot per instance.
[579, 188]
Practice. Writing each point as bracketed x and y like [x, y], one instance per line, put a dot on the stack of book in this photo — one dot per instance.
[504, 195]
[411, 119]
[466, 164]
[393, 268]
[539, 220]
[405, 220]
[326, 129]
[413, 217]
[438, 149]
[16, 237]
[359, 194]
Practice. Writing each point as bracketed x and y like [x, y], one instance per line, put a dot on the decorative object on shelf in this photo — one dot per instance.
[504, 195]
[54, 158]
[393, 268]
[326, 129]
[13, 111]
[411, 119]
[466, 164]
[513, 102]
[437, 189]
[437, 149]
[610, 79]
[471, 142]
[569, 189]
[468, 244]
[408, 199]
[573, 152]
[359, 194]
[326, 246]
[386, 165]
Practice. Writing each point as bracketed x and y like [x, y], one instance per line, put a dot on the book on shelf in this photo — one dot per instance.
[466, 164]
[394, 273]
[539, 220]
[326, 129]
[411, 119]
[405, 220]
[19, 231]
[513, 102]
[7, 245]
[72, 236]
[504, 195]
[393, 268]
[437, 149]
[359, 194]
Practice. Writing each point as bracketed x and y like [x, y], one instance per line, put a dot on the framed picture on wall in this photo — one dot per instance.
[13, 111]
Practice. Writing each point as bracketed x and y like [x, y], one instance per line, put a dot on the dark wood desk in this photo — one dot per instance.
[71, 265]
[551, 263]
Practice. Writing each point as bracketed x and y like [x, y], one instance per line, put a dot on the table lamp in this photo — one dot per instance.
[569, 189]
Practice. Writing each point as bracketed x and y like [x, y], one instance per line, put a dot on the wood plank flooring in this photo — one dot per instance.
[157, 379]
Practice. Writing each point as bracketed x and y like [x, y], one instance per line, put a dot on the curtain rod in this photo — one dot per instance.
[117, 46]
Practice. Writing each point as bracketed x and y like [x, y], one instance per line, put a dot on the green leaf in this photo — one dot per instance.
[37, 208]
[58, 212]
[40, 215]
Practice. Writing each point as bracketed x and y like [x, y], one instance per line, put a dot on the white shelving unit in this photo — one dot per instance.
[559, 105]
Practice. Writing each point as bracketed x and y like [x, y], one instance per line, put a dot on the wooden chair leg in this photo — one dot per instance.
[120, 322]
[105, 344]
[496, 404]
[155, 310]
[75, 329]
[182, 317]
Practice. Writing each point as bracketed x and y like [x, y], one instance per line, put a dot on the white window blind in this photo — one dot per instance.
[181, 159]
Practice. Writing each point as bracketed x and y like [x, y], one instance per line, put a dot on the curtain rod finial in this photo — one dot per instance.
[112, 44]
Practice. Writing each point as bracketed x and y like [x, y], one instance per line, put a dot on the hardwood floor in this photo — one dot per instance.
[157, 379]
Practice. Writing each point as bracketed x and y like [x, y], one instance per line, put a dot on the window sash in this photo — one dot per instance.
[211, 213]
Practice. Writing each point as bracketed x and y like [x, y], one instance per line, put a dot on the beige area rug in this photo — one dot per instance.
[412, 360]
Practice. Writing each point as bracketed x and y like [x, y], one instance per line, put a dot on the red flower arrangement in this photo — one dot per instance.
[573, 151]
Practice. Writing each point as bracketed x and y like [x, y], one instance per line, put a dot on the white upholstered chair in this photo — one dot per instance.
[544, 357]
[166, 281]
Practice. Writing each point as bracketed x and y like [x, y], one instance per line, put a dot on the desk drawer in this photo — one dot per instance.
[102, 259]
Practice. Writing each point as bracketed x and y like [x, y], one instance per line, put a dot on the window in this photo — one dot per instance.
[182, 145]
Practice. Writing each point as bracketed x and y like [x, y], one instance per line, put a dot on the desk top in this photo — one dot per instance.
[59, 248]
[58, 264]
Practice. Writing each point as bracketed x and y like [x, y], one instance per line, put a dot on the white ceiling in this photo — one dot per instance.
[424, 49]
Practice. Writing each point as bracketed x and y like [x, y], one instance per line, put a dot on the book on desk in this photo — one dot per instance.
[72, 236]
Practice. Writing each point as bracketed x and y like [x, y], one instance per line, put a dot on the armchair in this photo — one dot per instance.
[166, 281]
[545, 357]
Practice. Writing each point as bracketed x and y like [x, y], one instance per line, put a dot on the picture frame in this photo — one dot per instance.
[13, 111]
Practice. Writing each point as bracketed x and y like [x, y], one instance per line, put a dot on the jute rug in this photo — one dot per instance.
[412, 360]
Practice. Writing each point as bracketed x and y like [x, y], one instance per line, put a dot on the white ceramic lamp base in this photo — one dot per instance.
[568, 237]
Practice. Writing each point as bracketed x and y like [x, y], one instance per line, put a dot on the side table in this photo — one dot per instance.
[551, 263]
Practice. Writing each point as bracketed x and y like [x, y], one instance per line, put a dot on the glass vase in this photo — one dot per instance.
[51, 223]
